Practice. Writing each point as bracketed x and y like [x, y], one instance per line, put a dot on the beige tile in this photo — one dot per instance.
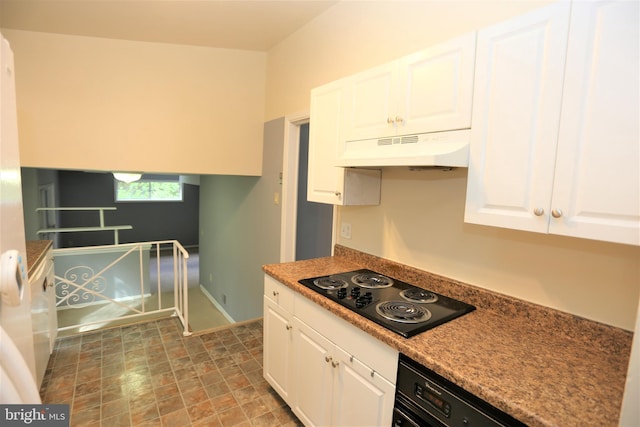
[120, 420]
[84, 402]
[171, 404]
[255, 408]
[115, 407]
[141, 414]
[194, 396]
[201, 411]
[218, 388]
[232, 417]
[176, 418]
[224, 402]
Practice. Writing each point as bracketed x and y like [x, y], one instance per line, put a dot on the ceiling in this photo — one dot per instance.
[232, 24]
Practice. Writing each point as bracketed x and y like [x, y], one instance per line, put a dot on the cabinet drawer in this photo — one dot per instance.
[278, 293]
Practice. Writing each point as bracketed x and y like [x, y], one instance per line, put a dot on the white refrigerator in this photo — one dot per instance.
[17, 359]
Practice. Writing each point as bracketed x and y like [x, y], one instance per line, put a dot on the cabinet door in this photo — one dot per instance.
[51, 302]
[597, 180]
[436, 87]
[313, 373]
[372, 103]
[361, 396]
[325, 181]
[516, 114]
[278, 339]
[328, 183]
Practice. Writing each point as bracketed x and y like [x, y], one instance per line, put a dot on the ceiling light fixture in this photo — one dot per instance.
[127, 176]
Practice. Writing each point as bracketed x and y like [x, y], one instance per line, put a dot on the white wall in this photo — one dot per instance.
[355, 35]
[102, 104]
[420, 219]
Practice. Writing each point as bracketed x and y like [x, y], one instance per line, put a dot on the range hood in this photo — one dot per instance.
[450, 148]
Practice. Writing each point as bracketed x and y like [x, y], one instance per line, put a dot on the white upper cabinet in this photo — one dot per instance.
[428, 91]
[516, 111]
[328, 183]
[597, 179]
[555, 149]
[371, 103]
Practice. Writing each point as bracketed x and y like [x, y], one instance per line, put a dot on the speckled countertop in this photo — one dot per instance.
[36, 249]
[542, 366]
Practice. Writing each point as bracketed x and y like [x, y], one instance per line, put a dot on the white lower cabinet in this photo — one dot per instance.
[278, 348]
[336, 388]
[278, 337]
[314, 374]
[327, 370]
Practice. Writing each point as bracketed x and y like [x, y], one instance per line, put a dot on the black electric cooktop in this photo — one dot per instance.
[398, 306]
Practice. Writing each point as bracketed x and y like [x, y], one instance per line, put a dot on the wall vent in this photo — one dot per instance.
[411, 139]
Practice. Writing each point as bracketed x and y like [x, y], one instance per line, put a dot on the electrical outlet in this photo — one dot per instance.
[345, 230]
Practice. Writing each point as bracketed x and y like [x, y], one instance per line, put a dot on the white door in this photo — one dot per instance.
[313, 373]
[278, 339]
[597, 180]
[436, 87]
[516, 114]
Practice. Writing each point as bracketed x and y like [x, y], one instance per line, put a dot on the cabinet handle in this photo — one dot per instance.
[275, 293]
[390, 120]
[337, 193]
[372, 373]
[335, 364]
[351, 359]
[288, 327]
[556, 213]
[327, 359]
[538, 211]
[399, 119]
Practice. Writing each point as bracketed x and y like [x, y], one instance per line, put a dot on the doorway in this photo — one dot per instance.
[307, 227]
[313, 220]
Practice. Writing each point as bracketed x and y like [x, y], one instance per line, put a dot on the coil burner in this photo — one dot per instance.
[372, 280]
[402, 311]
[419, 295]
[330, 282]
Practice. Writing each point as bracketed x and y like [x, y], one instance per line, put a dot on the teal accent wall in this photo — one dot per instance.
[240, 230]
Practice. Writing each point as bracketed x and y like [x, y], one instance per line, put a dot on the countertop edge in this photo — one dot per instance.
[36, 250]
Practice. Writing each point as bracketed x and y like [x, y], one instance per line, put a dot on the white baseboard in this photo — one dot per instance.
[218, 306]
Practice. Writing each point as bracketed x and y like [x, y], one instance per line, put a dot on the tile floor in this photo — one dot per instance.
[150, 375]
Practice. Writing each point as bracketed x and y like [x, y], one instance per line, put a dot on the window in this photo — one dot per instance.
[150, 189]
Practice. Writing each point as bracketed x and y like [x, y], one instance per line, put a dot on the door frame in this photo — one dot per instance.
[288, 217]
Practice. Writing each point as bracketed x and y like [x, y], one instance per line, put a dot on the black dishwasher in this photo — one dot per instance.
[426, 399]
